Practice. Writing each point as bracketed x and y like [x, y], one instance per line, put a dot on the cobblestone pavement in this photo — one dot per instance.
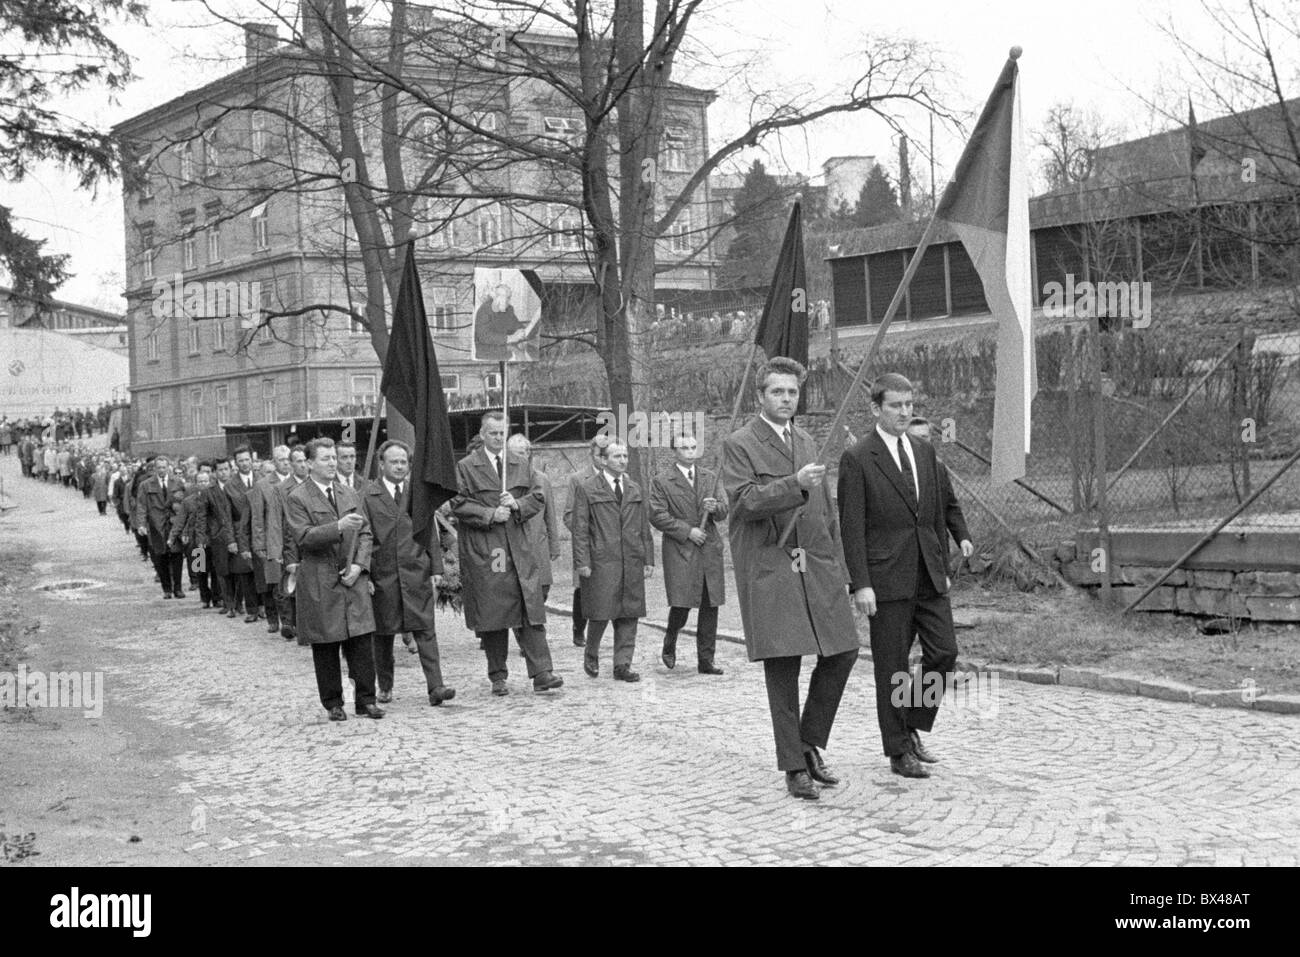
[677, 770]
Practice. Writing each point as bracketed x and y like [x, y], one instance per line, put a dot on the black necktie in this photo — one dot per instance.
[906, 465]
[789, 444]
[618, 488]
[397, 496]
[691, 478]
[329, 494]
[497, 460]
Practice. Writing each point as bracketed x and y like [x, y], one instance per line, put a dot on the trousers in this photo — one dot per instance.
[825, 688]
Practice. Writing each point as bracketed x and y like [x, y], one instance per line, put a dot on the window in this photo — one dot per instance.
[439, 224]
[194, 337]
[681, 230]
[196, 411]
[222, 393]
[214, 242]
[187, 163]
[155, 415]
[187, 249]
[147, 264]
[565, 128]
[365, 393]
[487, 222]
[218, 335]
[675, 154]
[566, 227]
[264, 306]
[268, 400]
[450, 385]
[151, 346]
[261, 232]
[440, 308]
[146, 189]
[492, 382]
[259, 140]
[211, 154]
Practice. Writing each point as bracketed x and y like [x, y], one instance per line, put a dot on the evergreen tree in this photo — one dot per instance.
[877, 202]
[759, 213]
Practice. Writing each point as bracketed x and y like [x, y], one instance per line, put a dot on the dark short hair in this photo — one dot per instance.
[889, 382]
[676, 437]
[918, 420]
[240, 450]
[496, 415]
[394, 444]
[345, 445]
[315, 445]
[779, 365]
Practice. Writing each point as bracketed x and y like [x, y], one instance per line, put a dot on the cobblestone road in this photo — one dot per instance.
[678, 769]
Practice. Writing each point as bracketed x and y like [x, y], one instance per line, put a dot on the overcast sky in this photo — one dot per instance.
[1101, 55]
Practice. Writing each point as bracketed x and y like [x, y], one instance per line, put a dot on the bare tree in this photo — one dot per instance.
[1068, 140]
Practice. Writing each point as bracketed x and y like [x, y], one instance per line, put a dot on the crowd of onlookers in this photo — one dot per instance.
[60, 425]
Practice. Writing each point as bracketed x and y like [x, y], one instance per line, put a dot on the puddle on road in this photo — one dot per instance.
[71, 588]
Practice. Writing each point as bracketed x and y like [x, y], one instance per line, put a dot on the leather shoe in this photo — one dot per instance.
[800, 785]
[440, 694]
[232, 614]
[250, 619]
[709, 668]
[383, 697]
[817, 769]
[167, 596]
[370, 711]
[338, 714]
[272, 627]
[500, 688]
[579, 641]
[178, 593]
[592, 668]
[287, 633]
[669, 659]
[907, 765]
[625, 673]
[920, 751]
[547, 681]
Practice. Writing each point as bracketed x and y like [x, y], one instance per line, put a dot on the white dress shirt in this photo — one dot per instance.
[891, 443]
[781, 431]
[392, 489]
[688, 473]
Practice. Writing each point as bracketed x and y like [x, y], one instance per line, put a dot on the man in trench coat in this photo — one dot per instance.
[153, 512]
[332, 536]
[543, 528]
[267, 565]
[404, 575]
[683, 507]
[793, 600]
[613, 554]
[281, 548]
[501, 584]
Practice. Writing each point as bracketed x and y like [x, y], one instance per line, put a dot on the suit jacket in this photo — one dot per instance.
[262, 501]
[501, 585]
[327, 611]
[402, 572]
[217, 520]
[277, 543]
[891, 538]
[675, 508]
[791, 602]
[613, 539]
[153, 510]
[241, 522]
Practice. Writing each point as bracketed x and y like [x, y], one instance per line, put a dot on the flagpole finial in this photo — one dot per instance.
[1015, 53]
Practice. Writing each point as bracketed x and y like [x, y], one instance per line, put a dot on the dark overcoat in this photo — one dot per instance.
[791, 602]
[405, 599]
[153, 510]
[615, 542]
[544, 531]
[327, 611]
[675, 508]
[262, 501]
[501, 584]
[241, 522]
[216, 518]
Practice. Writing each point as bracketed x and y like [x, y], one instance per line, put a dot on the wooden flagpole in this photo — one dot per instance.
[374, 435]
[505, 409]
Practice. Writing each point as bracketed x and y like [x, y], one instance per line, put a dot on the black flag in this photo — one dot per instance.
[783, 330]
[413, 387]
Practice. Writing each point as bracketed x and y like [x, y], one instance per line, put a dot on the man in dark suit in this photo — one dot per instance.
[279, 547]
[348, 477]
[221, 538]
[792, 600]
[242, 577]
[613, 554]
[682, 506]
[267, 564]
[894, 522]
[153, 518]
[501, 584]
[332, 541]
[404, 575]
[596, 449]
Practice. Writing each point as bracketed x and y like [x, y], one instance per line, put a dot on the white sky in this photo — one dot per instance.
[1096, 54]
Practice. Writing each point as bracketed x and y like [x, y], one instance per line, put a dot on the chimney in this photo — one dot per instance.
[259, 40]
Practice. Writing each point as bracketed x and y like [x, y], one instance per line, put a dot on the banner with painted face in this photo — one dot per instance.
[507, 315]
